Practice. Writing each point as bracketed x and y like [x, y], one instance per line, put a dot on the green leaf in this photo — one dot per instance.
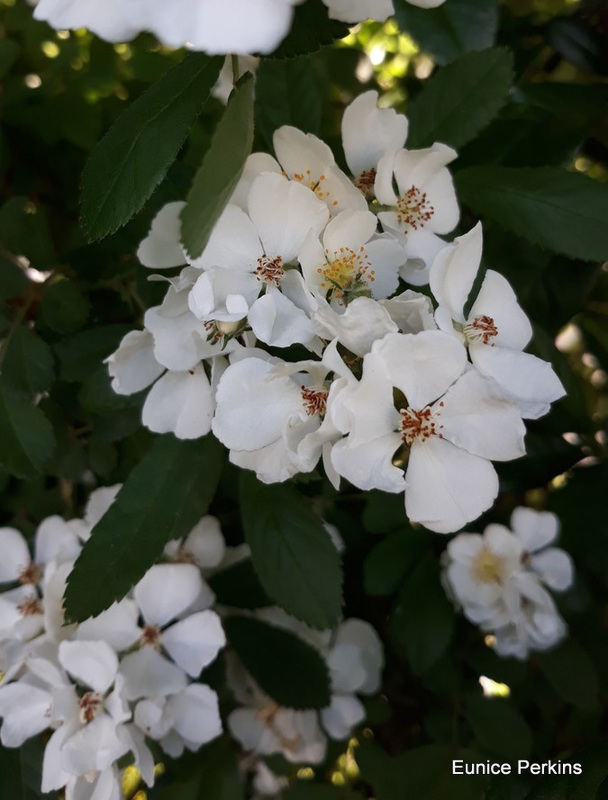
[589, 783]
[317, 791]
[390, 560]
[13, 280]
[21, 772]
[498, 726]
[288, 669]
[64, 307]
[135, 154]
[461, 99]
[311, 29]
[560, 211]
[287, 93]
[29, 363]
[25, 232]
[163, 498]
[218, 776]
[296, 561]
[238, 586]
[80, 355]
[221, 168]
[423, 773]
[572, 674]
[26, 434]
[423, 622]
[452, 29]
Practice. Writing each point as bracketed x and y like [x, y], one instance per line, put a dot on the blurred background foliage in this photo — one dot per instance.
[65, 304]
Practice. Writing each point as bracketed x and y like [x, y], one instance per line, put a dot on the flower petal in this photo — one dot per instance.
[194, 642]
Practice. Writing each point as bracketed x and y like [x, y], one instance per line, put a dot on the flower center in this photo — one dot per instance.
[30, 607]
[487, 567]
[418, 426]
[150, 636]
[29, 574]
[270, 270]
[316, 184]
[414, 209]
[365, 182]
[90, 705]
[482, 329]
[347, 275]
[315, 400]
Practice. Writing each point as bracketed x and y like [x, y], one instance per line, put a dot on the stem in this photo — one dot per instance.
[236, 73]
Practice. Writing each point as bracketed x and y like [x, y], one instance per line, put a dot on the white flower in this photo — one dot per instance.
[166, 593]
[161, 248]
[360, 10]
[215, 26]
[204, 546]
[496, 330]
[133, 367]
[497, 578]
[425, 204]
[352, 261]
[368, 133]
[452, 426]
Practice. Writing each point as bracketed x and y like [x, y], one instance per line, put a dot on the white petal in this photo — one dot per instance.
[117, 626]
[55, 541]
[133, 367]
[363, 636]
[341, 716]
[360, 10]
[447, 487]
[195, 714]
[147, 674]
[95, 747]
[168, 590]
[477, 418]
[363, 321]
[350, 229]
[274, 463]
[206, 543]
[234, 243]
[93, 664]
[368, 132]
[144, 759]
[422, 365]
[99, 502]
[454, 270]
[534, 529]
[496, 299]
[25, 710]
[180, 403]
[554, 567]
[15, 555]
[107, 20]
[521, 376]
[162, 247]
[284, 212]
[194, 642]
[252, 408]
[276, 321]
[256, 164]
[369, 466]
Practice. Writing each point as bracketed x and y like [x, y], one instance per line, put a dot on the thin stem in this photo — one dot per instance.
[236, 72]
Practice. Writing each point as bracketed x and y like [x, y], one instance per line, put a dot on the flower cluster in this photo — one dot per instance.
[500, 579]
[401, 392]
[354, 657]
[215, 26]
[101, 687]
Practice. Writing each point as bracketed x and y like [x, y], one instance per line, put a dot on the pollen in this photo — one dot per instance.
[418, 426]
[414, 209]
[347, 272]
[150, 636]
[270, 270]
[90, 705]
[316, 183]
[365, 183]
[315, 400]
[487, 567]
[482, 329]
[30, 607]
[29, 575]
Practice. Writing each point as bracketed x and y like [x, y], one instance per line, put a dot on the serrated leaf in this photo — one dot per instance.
[288, 669]
[287, 93]
[238, 586]
[464, 97]
[64, 307]
[390, 560]
[221, 168]
[560, 211]
[26, 434]
[498, 726]
[423, 622]
[135, 154]
[295, 560]
[311, 30]
[163, 498]
[452, 29]
[29, 363]
[572, 674]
